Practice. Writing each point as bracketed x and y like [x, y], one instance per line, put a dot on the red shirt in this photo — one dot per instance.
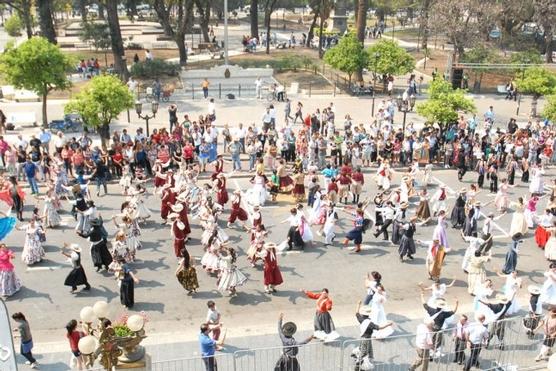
[117, 157]
[74, 340]
[358, 177]
[346, 170]
[332, 187]
[344, 180]
[188, 152]
[323, 304]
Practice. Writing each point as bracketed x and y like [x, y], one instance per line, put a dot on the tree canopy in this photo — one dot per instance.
[387, 57]
[444, 103]
[36, 65]
[549, 111]
[100, 102]
[348, 55]
[537, 81]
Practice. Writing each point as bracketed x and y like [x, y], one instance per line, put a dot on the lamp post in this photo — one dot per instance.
[147, 117]
[377, 55]
[226, 32]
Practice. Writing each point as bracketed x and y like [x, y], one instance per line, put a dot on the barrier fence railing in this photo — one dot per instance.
[513, 350]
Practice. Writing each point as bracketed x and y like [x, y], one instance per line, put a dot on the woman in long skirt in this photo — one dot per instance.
[356, 234]
[50, 215]
[272, 274]
[378, 316]
[323, 324]
[99, 248]
[518, 224]
[542, 233]
[230, 276]
[186, 273]
[550, 247]
[470, 225]
[33, 251]
[423, 212]
[76, 276]
[435, 259]
[9, 283]
[458, 212]
[127, 281]
[511, 256]
[476, 271]
[407, 244]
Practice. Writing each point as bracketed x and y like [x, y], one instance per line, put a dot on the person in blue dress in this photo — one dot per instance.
[356, 234]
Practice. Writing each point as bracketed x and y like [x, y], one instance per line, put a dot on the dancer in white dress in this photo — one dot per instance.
[33, 251]
[548, 291]
[329, 225]
[536, 187]
[142, 213]
[519, 224]
[475, 244]
[230, 276]
[482, 292]
[437, 289]
[378, 316]
[512, 285]
[258, 194]
[50, 215]
[384, 175]
[439, 200]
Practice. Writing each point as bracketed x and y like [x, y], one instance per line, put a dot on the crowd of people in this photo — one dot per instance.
[317, 162]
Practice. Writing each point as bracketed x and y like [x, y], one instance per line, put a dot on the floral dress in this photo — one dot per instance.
[33, 251]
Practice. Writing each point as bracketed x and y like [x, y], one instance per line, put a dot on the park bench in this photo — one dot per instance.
[208, 47]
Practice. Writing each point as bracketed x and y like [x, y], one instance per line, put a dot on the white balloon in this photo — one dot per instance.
[87, 314]
[135, 322]
[87, 344]
[101, 309]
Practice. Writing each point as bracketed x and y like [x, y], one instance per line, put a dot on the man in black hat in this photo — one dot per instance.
[288, 360]
[500, 308]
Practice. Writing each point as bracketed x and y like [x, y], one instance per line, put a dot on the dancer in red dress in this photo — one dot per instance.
[168, 199]
[221, 192]
[237, 211]
[218, 167]
[272, 274]
[180, 226]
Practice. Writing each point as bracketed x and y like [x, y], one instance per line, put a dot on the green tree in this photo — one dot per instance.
[444, 104]
[538, 82]
[13, 25]
[390, 58]
[36, 65]
[348, 56]
[100, 102]
[530, 56]
[97, 35]
[549, 110]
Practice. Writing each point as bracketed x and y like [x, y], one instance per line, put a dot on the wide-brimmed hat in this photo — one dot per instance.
[517, 236]
[75, 247]
[365, 310]
[177, 207]
[405, 178]
[95, 222]
[477, 203]
[182, 196]
[289, 328]
[440, 303]
[463, 190]
[404, 205]
[534, 290]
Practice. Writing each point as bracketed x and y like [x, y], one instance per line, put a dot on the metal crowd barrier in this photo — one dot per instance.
[516, 351]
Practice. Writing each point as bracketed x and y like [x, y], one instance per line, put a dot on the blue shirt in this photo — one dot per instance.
[45, 137]
[30, 169]
[207, 345]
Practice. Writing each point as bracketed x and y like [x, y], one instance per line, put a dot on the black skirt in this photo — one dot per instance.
[100, 255]
[323, 322]
[286, 363]
[76, 277]
[126, 291]
[407, 246]
[458, 216]
[397, 233]
[470, 227]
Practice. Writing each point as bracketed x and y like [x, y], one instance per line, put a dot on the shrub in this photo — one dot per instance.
[134, 46]
[13, 25]
[155, 68]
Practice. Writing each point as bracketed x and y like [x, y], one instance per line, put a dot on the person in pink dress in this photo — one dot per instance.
[9, 283]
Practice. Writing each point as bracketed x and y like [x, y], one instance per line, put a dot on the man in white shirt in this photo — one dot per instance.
[477, 336]
[423, 344]
[139, 136]
[267, 119]
[258, 87]
[60, 141]
[211, 110]
[240, 132]
[21, 142]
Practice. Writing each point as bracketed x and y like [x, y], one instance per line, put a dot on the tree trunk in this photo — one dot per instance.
[254, 18]
[180, 42]
[164, 17]
[101, 8]
[548, 39]
[117, 43]
[45, 18]
[361, 25]
[311, 32]
[83, 10]
[267, 23]
[321, 39]
[534, 105]
[44, 111]
[25, 15]
[424, 22]
[205, 18]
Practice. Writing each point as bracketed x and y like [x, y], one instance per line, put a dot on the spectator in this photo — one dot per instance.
[26, 338]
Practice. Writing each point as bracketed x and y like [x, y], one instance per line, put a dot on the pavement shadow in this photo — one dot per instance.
[292, 295]
[25, 293]
[150, 283]
[152, 265]
[149, 307]
[290, 270]
[103, 292]
[206, 294]
[57, 366]
[153, 246]
[248, 298]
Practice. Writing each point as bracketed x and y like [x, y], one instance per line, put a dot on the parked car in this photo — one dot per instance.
[71, 123]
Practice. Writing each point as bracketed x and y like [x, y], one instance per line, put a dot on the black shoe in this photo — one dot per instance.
[410, 257]
[98, 269]
[87, 288]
